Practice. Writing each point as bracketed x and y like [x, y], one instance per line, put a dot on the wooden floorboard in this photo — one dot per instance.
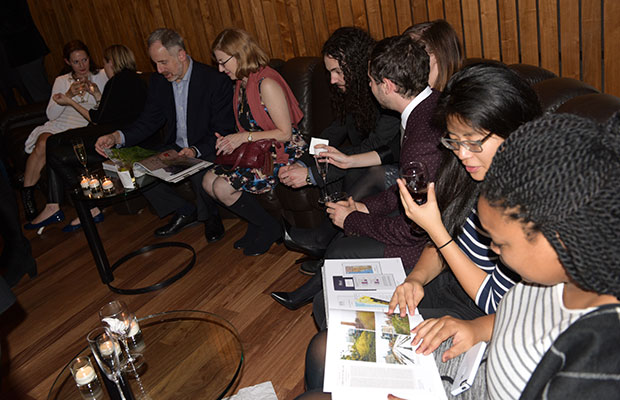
[56, 309]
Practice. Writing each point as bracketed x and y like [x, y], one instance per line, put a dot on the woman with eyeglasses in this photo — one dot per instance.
[481, 106]
[265, 108]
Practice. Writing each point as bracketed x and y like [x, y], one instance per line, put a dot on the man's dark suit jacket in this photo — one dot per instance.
[209, 110]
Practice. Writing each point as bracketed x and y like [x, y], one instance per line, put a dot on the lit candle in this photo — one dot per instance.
[107, 184]
[85, 375]
[134, 328]
[84, 183]
[94, 183]
[106, 348]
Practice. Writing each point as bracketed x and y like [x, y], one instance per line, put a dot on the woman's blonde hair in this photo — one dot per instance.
[241, 45]
[121, 57]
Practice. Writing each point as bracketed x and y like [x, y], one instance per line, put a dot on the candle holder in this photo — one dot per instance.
[94, 184]
[86, 378]
[84, 182]
[107, 185]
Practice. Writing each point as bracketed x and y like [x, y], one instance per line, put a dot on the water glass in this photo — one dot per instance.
[86, 378]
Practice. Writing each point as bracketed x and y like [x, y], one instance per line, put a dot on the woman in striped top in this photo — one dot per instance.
[481, 106]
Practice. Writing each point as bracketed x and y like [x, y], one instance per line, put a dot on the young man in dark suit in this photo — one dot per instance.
[192, 102]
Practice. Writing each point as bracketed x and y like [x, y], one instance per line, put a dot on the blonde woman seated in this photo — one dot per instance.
[81, 75]
[265, 108]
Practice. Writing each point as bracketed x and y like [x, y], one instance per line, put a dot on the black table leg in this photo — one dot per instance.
[94, 241]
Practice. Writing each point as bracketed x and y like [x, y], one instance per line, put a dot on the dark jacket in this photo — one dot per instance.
[583, 362]
[384, 139]
[122, 100]
[420, 143]
[209, 110]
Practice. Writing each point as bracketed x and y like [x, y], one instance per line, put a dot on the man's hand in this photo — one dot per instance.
[338, 212]
[106, 142]
[227, 144]
[293, 175]
[432, 332]
[406, 296]
[187, 152]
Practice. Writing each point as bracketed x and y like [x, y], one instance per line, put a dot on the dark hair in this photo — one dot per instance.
[439, 39]
[559, 175]
[168, 38]
[77, 45]
[403, 61]
[488, 97]
[351, 47]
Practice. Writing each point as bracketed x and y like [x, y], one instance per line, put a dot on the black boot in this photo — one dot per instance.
[248, 238]
[30, 207]
[300, 296]
[312, 242]
[268, 232]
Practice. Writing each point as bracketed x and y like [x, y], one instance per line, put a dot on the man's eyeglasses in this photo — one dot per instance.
[224, 62]
[475, 146]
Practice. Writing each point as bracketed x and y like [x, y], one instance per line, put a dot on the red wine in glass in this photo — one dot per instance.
[415, 177]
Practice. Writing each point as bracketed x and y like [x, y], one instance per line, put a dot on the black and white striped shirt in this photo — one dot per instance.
[475, 242]
[529, 319]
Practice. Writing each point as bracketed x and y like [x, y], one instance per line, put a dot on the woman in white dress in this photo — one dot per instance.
[78, 83]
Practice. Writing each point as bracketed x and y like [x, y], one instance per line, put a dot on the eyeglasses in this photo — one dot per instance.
[475, 146]
[224, 62]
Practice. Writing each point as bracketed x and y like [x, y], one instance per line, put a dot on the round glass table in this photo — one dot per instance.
[187, 354]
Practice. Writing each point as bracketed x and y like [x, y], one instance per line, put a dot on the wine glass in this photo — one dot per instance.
[80, 152]
[415, 176]
[82, 82]
[107, 352]
[321, 166]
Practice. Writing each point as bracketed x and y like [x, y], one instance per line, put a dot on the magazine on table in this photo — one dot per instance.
[167, 165]
[369, 353]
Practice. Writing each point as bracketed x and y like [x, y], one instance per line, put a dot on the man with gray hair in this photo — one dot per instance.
[191, 102]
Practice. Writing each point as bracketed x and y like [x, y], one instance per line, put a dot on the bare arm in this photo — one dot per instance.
[65, 100]
[427, 216]
[409, 294]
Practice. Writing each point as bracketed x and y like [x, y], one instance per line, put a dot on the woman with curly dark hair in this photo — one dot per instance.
[373, 133]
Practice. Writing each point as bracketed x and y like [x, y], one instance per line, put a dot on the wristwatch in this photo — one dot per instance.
[249, 136]
[308, 181]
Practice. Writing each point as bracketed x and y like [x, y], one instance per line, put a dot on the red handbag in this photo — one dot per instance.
[252, 155]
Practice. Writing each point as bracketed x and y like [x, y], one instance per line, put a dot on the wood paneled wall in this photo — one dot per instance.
[577, 39]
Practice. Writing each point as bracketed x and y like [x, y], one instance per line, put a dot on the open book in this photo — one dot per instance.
[369, 353]
[167, 165]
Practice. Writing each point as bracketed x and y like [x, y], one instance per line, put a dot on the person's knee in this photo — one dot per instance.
[223, 191]
[207, 183]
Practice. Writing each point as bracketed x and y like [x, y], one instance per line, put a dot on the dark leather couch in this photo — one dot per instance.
[309, 81]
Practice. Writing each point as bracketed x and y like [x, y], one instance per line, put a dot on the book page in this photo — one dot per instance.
[171, 167]
[371, 353]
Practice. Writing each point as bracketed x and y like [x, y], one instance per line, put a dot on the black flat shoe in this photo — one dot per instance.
[294, 244]
[214, 229]
[13, 277]
[176, 224]
[285, 299]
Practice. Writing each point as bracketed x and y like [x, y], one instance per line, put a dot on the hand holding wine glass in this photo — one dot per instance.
[414, 175]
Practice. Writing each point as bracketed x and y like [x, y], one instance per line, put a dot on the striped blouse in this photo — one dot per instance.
[475, 242]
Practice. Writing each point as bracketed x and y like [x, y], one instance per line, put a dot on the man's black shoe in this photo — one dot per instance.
[214, 229]
[311, 267]
[294, 244]
[176, 224]
[287, 301]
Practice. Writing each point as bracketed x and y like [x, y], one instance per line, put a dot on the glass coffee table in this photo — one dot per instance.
[85, 200]
[187, 354]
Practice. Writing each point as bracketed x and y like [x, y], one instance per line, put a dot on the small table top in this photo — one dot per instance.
[118, 193]
[188, 355]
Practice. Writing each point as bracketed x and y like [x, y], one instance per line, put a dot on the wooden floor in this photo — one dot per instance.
[58, 308]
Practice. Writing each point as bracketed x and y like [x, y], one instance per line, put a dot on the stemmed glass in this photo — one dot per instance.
[80, 152]
[321, 166]
[107, 352]
[415, 176]
[118, 321]
[82, 82]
